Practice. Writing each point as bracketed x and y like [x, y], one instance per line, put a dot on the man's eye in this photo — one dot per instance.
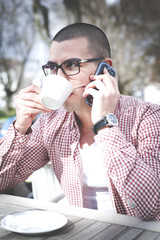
[71, 65]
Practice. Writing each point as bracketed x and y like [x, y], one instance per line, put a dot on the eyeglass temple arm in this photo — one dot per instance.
[92, 59]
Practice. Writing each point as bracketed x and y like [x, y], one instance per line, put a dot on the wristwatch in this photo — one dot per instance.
[108, 120]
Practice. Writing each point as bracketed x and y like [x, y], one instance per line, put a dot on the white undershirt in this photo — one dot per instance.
[96, 194]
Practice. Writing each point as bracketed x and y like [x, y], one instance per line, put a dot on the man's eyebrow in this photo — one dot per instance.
[72, 59]
[67, 60]
[50, 62]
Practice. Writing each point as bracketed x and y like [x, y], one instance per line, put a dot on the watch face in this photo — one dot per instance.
[111, 118]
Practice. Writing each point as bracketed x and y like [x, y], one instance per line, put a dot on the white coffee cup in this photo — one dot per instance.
[55, 91]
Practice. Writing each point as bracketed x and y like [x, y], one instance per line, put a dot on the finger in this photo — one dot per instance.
[31, 88]
[31, 104]
[105, 75]
[90, 85]
[90, 91]
[90, 88]
[30, 96]
[105, 71]
[107, 79]
[98, 84]
[105, 93]
[113, 79]
[28, 111]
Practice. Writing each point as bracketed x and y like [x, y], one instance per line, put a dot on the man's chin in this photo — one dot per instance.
[68, 107]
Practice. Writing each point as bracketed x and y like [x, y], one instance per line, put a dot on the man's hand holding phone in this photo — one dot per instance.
[104, 92]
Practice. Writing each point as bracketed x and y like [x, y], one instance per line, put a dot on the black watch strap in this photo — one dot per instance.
[108, 120]
[98, 125]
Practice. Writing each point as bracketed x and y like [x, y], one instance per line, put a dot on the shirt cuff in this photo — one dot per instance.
[13, 137]
[112, 138]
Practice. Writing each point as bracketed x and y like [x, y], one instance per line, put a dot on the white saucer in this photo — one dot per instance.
[33, 222]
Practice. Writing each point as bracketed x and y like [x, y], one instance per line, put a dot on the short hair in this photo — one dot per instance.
[98, 43]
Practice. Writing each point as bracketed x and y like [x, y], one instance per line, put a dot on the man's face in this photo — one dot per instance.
[76, 48]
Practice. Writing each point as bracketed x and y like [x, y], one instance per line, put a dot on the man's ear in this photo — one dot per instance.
[108, 61]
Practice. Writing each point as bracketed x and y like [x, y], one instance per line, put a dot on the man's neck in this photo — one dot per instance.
[85, 126]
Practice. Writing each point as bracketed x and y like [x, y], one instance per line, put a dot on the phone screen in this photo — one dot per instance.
[100, 68]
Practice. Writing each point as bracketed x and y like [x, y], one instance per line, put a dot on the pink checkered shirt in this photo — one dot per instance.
[132, 156]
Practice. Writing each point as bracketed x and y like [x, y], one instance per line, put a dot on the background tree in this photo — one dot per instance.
[41, 19]
[133, 30]
[16, 40]
[131, 26]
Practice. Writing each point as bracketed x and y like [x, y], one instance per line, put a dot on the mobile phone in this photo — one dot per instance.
[99, 70]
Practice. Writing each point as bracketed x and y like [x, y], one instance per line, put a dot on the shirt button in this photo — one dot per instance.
[131, 203]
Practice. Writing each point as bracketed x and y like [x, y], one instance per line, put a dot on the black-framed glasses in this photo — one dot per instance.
[69, 67]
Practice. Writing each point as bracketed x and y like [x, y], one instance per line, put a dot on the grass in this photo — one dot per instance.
[6, 114]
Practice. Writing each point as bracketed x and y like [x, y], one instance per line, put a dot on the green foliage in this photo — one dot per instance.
[7, 114]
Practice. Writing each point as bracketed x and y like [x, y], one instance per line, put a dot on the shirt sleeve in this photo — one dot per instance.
[20, 155]
[133, 166]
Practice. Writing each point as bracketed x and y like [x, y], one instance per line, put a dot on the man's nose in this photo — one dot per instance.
[60, 72]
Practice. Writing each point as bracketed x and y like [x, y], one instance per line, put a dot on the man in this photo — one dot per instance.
[110, 165]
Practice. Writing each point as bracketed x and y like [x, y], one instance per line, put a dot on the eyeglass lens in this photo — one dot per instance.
[68, 68]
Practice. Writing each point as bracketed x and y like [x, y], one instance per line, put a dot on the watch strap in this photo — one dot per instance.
[100, 124]
[108, 120]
